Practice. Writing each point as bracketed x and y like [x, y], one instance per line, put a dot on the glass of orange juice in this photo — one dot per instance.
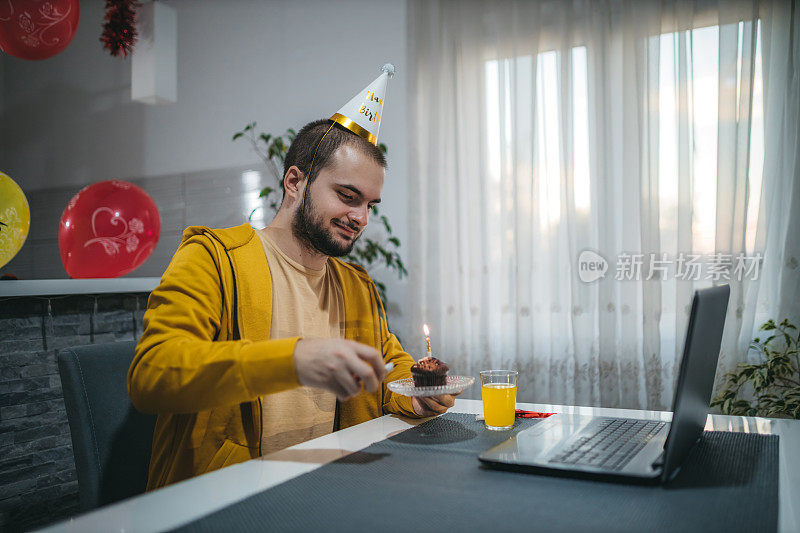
[499, 393]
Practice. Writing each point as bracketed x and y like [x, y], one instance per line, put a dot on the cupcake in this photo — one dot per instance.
[429, 372]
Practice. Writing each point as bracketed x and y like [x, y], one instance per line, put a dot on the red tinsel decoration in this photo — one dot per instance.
[119, 29]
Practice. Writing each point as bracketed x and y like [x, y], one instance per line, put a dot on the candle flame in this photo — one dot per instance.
[425, 329]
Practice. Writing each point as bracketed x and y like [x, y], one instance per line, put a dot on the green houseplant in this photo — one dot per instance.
[774, 382]
[377, 248]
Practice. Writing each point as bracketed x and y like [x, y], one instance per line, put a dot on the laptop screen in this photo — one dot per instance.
[696, 375]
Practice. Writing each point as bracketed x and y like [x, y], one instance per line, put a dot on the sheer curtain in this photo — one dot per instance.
[551, 135]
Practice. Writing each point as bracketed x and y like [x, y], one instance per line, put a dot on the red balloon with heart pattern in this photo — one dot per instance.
[107, 230]
[37, 29]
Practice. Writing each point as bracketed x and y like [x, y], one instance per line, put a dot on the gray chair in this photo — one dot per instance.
[111, 440]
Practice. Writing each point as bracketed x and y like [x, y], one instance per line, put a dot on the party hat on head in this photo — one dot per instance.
[362, 114]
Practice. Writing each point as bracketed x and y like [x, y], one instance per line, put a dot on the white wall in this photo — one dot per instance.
[69, 121]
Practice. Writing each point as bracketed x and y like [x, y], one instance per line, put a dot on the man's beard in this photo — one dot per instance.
[310, 230]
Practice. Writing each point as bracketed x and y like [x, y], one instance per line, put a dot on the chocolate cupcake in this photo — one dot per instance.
[429, 372]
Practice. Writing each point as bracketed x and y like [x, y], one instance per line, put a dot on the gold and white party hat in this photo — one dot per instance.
[362, 114]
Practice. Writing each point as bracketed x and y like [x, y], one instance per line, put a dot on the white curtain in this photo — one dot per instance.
[543, 130]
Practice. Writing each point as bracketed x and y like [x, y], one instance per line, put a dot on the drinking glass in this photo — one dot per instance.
[499, 393]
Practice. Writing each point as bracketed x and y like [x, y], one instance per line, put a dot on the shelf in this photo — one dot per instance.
[56, 287]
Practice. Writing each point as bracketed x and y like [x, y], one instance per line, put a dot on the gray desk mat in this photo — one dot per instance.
[428, 478]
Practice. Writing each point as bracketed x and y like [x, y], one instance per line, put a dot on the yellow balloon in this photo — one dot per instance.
[15, 219]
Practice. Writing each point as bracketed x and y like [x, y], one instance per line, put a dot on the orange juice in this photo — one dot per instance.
[499, 400]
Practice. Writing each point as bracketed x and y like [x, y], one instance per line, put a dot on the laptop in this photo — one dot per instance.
[629, 449]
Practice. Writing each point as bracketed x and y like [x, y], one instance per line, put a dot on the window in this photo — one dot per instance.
[528, 151]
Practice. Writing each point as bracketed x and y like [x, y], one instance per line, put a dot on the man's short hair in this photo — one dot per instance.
[301, 151]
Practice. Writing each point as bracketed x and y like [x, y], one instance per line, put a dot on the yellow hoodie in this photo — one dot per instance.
[205, 357]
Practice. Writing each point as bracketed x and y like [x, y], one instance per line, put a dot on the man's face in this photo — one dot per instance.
[335, 208]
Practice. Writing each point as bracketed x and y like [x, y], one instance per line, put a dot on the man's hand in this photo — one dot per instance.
[338, 365]
[433, 405]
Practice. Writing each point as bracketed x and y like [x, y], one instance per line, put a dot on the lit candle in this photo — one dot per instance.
[427, 333]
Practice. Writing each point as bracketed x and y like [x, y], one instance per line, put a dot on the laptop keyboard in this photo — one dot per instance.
[611, 444]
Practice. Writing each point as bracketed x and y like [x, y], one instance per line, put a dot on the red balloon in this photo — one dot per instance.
[37, 29]
[108, 229]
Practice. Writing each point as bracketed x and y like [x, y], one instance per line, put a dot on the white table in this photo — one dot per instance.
[189, 500]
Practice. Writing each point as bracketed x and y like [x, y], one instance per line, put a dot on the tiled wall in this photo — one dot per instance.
[219, 198]
[37, 470]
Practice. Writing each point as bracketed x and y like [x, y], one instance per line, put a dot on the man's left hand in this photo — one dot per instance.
[433, 405]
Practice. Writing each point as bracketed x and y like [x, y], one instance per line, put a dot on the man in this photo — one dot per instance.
[258, 340]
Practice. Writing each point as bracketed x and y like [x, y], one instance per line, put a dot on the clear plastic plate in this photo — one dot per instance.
[453, 385]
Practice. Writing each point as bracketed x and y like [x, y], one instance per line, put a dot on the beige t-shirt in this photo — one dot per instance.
[306, 303]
